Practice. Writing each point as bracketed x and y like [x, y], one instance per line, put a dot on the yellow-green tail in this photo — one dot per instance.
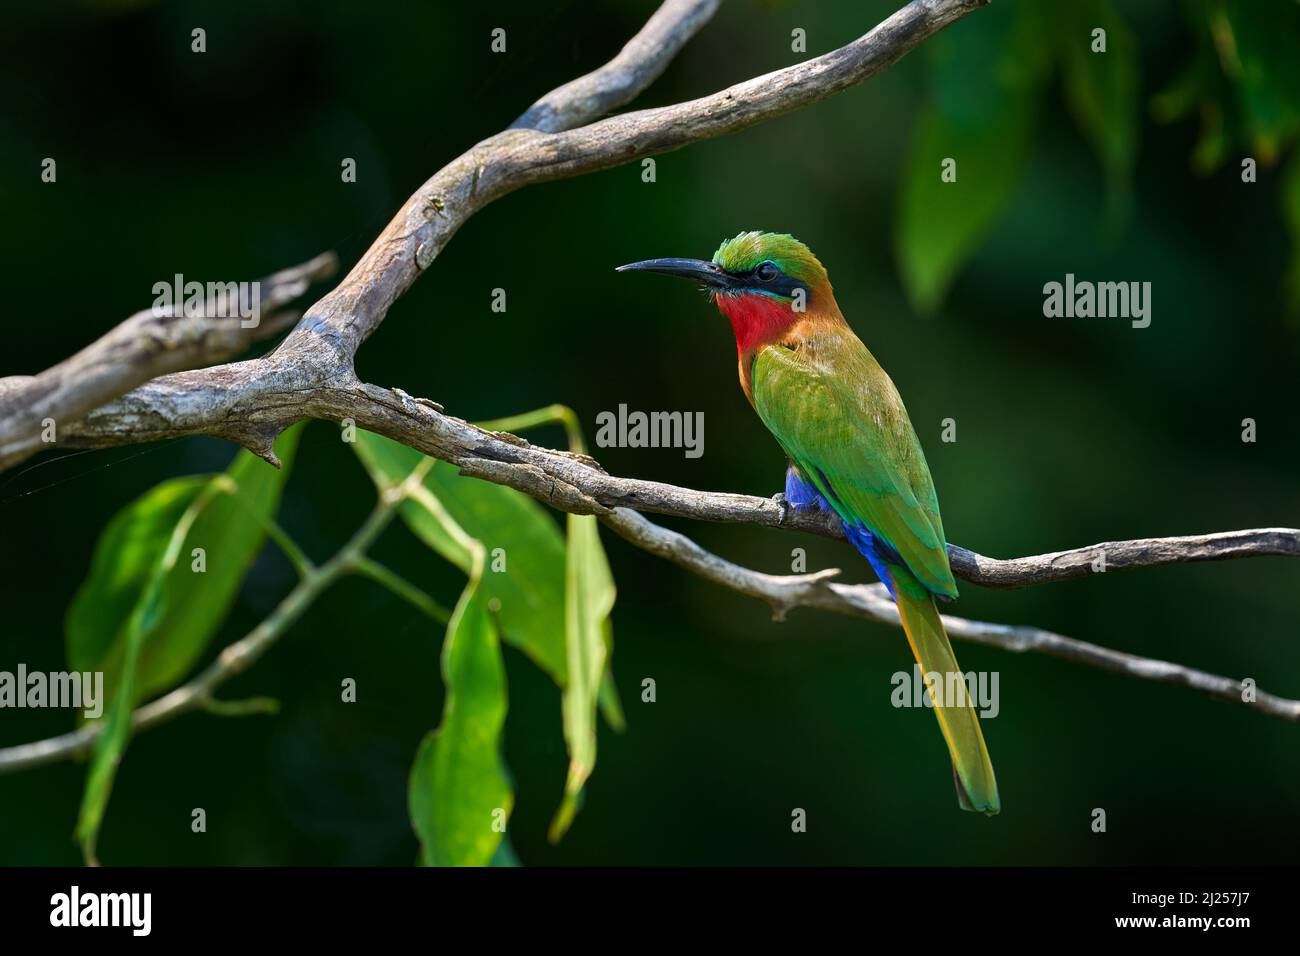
[977, 788]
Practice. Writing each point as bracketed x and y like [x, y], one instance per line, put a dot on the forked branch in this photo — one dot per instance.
[311, 374]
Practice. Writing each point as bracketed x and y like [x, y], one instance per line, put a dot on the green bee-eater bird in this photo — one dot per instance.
[852, 450]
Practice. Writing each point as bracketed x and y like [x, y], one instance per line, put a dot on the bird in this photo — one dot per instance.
[851, 450]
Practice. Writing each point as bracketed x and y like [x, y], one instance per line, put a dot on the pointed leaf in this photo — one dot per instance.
[989, 73]
[589, 599]
[231, 531]
[459, 787]
[1102, 88]
[526, 577]
[611, 708]
[142, 618]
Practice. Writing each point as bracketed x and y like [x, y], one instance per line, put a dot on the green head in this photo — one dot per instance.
[769, 264]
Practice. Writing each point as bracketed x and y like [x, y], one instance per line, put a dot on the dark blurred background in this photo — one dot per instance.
[226, 165]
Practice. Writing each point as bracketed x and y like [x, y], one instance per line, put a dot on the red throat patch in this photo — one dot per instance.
[756, 319]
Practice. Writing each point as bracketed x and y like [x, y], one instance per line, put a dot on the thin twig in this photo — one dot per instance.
[199, 692]
[819, 590]
[251, 402]
[639, 64]
[402, 588]
[576, 483]
[288, 547]
[148, 344]
[311, 374]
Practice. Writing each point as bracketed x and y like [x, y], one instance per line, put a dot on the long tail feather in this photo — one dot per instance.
[977, 788]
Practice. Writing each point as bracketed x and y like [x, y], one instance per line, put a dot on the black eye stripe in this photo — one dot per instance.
[781, 283]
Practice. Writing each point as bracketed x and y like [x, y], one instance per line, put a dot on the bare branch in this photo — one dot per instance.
[782, 592]
[319, 352]
[578, 484]
[514, 158]
[198, 693]
[631, 136]
[311, 374]
[818, 590]
[148, 344]
[619, 81]
[1118, 555]
[251, 402]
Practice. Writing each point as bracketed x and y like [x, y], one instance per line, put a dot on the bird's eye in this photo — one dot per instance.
[766, 271]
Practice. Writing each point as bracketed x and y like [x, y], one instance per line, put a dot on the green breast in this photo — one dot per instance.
[839, 418]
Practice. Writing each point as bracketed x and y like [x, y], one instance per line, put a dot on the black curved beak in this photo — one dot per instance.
[709, 273]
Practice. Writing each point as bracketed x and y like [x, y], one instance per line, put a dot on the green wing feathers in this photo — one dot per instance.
[839, 418]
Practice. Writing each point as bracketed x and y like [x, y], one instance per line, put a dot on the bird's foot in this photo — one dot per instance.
[789, 507]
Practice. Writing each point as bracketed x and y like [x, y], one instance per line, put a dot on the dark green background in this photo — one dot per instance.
[226, 166]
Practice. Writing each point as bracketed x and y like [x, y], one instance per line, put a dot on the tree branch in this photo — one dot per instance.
[198, 693]
[818, 590]
[318, 355]
[1119, 555]
[146, 345]
[639, 64]
[311, 374]
[782, 592]
[578, 484]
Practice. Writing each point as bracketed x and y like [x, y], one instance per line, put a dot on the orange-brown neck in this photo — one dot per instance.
[758, 320]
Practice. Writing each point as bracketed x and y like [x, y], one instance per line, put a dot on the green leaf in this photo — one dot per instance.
[459, 789]
[142, 618]
[611, 708]
[589, 599]
[128, 549]
[530, 589]
[1259, 47]
[505, 855]
[554, 601]
[1102, 88]
[1200, 88]
[231, 531]
[1291, 212]
[988, 73]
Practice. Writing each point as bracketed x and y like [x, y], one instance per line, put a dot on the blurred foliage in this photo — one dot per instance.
[1243, 79]
[990, 78]
[1101, 87]
[982, 120]
[226, 165]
